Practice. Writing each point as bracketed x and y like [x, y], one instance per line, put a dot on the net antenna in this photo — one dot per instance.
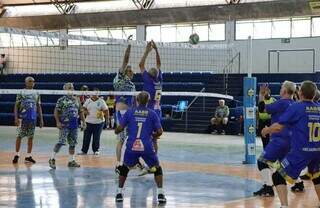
[64, 7]
[143, 4]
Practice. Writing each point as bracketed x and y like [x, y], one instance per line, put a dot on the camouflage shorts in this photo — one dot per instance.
[26, 129]
[123, 135]
[68, 135]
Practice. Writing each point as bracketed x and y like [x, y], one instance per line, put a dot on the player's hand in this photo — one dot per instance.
[41, 124]
[154, 45]
[130, 37]
[149, 47]
[59, 125]
[264, 131]
[17, 122]
[83, 125]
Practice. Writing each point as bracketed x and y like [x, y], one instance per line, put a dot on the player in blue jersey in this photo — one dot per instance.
[152, 83]
[279, 144]
[66, 113]
[303, 119]
[26, 110]
[143, 125]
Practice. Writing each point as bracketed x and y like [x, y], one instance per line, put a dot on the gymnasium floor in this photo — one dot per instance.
[199, 170]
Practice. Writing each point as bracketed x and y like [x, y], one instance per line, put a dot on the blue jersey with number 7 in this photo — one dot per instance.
[141, 123]
[304, 120]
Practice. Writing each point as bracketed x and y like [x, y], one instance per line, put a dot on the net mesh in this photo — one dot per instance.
[30, 51]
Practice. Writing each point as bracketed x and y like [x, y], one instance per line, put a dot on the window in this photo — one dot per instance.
[281, 28]
[244, 29]
[316, 26]
[115, 33]
[183, 33]
[154, 33]
[202, 30]
[168, 33]
[301, 27]
[217, 31]
[277, 28]
[262, 29]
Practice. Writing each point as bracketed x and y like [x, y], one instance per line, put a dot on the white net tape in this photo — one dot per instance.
[64, 92]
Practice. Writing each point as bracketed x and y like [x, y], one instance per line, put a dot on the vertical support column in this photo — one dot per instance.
[249, 101]
[141, 32]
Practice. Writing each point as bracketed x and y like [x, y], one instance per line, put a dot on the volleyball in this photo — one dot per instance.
[194, 38]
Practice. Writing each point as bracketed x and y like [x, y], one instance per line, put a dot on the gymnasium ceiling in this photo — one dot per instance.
[124, 13]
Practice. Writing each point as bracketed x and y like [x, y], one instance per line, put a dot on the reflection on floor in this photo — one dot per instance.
[200, 171]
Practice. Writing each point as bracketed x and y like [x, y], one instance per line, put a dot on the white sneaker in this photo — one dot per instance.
[96, 153]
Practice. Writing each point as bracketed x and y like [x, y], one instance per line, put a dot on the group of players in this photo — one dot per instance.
[295, 129]
[138, 121]
[295, 140]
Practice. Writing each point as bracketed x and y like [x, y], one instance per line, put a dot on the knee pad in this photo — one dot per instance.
[57, 147]
[123, 170]
[278, 179]
[262, 165]
[316, 180]
[158, 171]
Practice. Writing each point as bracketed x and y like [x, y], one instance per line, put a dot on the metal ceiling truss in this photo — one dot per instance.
[233, 1]
[143, 4]
[65, 7]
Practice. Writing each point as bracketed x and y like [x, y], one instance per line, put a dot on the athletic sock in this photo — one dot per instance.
[119, 190]
[72, 158]
[266, 176]
[160, 191]
[17, 154]
[53, 156]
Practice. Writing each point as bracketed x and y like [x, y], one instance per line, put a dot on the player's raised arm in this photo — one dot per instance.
[158, 60]
[125, 59]
[144, 57]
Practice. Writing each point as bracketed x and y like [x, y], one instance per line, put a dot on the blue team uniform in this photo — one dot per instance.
[304, 120]
[154, 88]
[141, 122]
[279, 145]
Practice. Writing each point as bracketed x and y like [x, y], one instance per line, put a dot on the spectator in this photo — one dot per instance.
[296, 94]
[264, 119]
[111, 102]
[220, 120]
[3, 61]
[96, 111]
[83, 98]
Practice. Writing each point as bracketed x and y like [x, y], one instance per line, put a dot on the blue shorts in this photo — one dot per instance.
[295, 161]
[277, 149]
[131, 158]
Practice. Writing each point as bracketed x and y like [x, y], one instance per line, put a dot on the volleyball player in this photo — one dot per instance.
[122, 82]
[279, 144]
[143, 125]
[25, 117]
[152, 83]
[66, 113]
[303, 119]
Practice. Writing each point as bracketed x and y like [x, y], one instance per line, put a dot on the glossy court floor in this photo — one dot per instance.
[199, 171]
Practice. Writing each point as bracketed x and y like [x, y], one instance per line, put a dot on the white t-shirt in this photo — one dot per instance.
[95, 109]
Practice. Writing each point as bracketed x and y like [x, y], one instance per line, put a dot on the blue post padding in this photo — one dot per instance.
[249, 111]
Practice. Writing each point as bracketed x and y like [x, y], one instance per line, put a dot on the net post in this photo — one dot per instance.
[249, 101]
